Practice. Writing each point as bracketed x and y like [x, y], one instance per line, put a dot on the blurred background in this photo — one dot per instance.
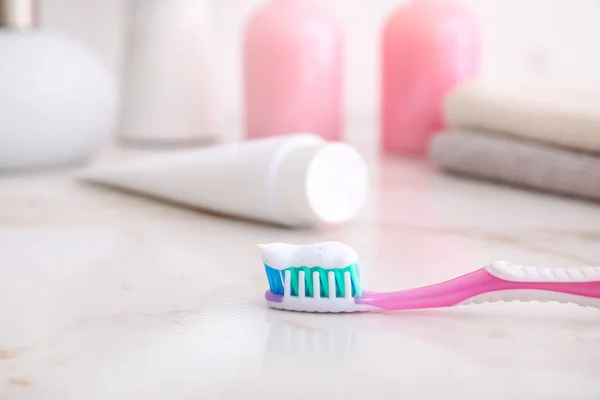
[453, 83]
[554, 40]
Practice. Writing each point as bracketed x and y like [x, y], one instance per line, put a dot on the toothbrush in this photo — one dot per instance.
[326, 278]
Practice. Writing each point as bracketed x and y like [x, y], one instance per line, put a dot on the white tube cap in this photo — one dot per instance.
[325, 182]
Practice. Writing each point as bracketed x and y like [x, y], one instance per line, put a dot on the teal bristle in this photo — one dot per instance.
[276, 278]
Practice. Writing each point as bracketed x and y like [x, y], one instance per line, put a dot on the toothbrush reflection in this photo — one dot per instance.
[309, 337]
[506, 338]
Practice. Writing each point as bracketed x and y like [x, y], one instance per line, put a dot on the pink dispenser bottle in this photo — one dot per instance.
[293, 71]
[428, 47]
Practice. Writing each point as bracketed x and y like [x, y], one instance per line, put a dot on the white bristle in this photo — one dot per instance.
[331, 279]
[316, 285]
[287, 284]
[301, 284]
[347, 286]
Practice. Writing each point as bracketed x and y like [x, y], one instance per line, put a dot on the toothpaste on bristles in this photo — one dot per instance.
[311, 268]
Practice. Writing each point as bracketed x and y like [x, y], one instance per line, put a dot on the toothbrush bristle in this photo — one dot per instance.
[315, 282]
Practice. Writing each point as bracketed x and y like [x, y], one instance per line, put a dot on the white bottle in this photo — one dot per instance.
[169, 89]
[292, 180]
[58, 104]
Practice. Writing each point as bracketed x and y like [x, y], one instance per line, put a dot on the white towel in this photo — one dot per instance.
[553, 116]
[517, 162]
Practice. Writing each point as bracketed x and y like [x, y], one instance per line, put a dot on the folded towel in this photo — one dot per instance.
[549, 115]
[517, 162]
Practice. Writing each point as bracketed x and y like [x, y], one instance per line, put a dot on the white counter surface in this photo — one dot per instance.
[104, 295]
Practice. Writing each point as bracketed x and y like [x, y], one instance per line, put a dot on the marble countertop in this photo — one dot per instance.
[110, 296]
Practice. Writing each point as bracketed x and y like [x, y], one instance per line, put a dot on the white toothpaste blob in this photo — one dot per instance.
[326, 255]
[292, 180]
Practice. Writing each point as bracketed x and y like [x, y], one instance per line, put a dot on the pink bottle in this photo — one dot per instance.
[428, 47]
[293, 71]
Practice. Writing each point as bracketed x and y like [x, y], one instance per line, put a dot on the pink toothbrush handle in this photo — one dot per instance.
[500, 281]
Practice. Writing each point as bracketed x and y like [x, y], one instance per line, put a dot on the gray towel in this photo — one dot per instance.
[517, 162]
[551, 115]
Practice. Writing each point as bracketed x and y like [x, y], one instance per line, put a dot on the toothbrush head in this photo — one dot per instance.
[320, 277]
